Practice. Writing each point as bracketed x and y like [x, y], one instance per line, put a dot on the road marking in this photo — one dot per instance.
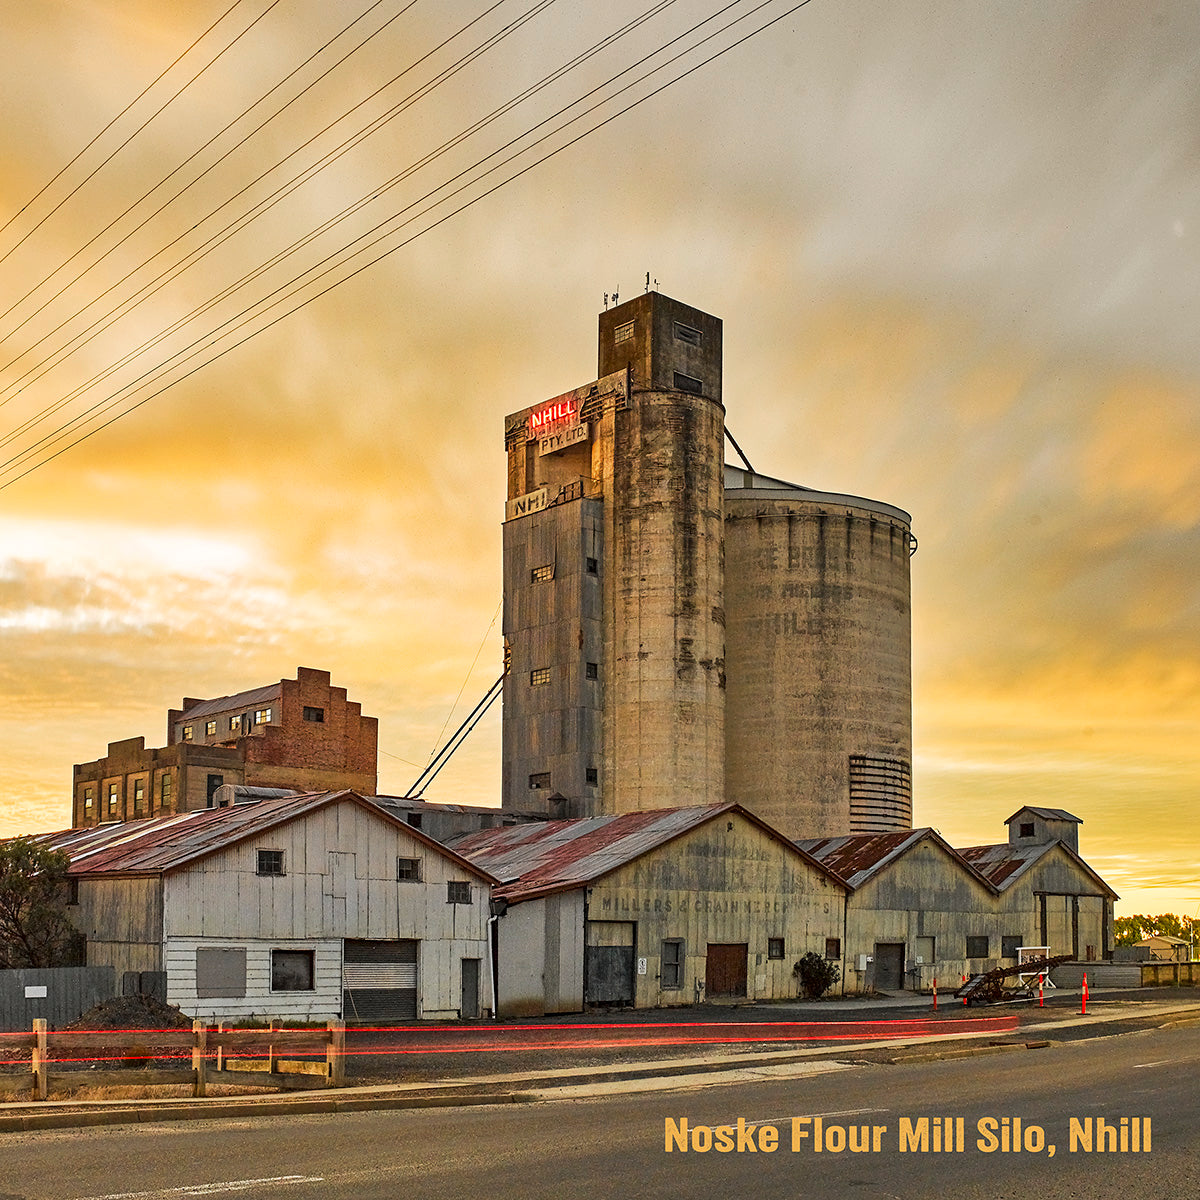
[1162, 1062]
[846, 1112]
[212, 1189]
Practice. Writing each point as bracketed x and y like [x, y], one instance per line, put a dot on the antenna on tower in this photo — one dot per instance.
[615, 297]
[649, 285]
[606, 302]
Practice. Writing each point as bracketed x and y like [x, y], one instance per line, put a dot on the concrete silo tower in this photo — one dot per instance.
[614, 616]
[819, 707]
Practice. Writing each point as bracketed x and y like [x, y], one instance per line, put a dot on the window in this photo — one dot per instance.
[539, 677]
[458, 893]
[221, 971]
[688, 383]
[977, 947]
[292, 971]
[214, 782]
[774, 947]
[270, 862]
[210, 729]
[72, 891]
[316, 715]
[262, 716]
[592, 566]
[539, 780]
[408, 870]
[139, 795]
[592, 775]
[671, 972]
[1026, 829]
[414, 819]
[1009, 943]
[685, 333]
[833, 948]
[623, 333]
[89, 797]
[112, 797]
[542, 574]
[187, 733]
[592, 671]
[164, 791]
[235, 724]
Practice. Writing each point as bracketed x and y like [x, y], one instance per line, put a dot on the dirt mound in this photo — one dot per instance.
[133, 1012]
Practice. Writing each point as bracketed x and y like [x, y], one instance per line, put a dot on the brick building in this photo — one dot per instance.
[298, 733]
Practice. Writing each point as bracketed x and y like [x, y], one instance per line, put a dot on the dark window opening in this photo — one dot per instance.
[408, 870]
[1025, 829]
[833, 948]
[688, 383]
[774, 947]
[214, 782]
[458, 893]
[592, 775]
[270, 862]
[592, 671]
[1009, 944]
[671, 971]
[314, 714]
[414, 819]
[685, 333]
[977, 947]
[592, 566]
[539, 780]
[292, 971]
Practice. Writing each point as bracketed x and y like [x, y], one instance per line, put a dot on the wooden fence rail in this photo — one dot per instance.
[271, 1057]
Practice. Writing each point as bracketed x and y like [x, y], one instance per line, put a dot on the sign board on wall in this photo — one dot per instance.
[35, 991]
[531, 502]
[560, 437]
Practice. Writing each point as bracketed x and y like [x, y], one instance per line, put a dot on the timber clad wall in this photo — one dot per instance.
[339, 882]
[122, 921]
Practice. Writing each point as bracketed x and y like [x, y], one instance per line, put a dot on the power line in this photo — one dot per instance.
[47, 186]
[197, 253]
[230, 231]
[196, 154]
[139, 129]
[197, 348]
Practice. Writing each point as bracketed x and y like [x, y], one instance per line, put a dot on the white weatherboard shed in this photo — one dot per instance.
[297, 907]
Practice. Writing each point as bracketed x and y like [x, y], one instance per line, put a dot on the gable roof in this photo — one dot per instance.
[1005, 863]
[246, 699]
[1047, 814]
[157, 845]
[555, 856]
[857, 858]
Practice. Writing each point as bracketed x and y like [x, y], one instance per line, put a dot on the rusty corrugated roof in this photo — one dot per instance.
[249, 699]
[159, 844]
[1002, 863]
[532, 860]
[856, 857]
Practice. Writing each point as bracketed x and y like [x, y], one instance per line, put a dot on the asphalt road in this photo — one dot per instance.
[613, 1144]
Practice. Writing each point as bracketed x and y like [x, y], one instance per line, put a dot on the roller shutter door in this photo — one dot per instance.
[379, 980]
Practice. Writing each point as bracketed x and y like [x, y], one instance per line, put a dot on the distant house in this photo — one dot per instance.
[654, 908]
[300, 907]
[1163, 947]
[300, 733]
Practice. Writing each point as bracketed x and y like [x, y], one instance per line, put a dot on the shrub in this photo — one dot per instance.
[816, 974]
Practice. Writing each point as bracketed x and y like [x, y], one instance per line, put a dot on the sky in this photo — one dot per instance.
[954, 246]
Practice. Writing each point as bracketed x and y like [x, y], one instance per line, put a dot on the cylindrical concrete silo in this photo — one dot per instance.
[818, 657]
[662, 482]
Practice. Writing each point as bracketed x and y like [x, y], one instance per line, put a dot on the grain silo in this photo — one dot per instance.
[818, 657]
[613, 616]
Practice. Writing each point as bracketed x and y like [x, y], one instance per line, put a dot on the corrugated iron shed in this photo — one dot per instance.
[1003, 863]
[156, 845]
[533, 860]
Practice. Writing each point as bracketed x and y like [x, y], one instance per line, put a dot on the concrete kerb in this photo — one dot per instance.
[568, 1083]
